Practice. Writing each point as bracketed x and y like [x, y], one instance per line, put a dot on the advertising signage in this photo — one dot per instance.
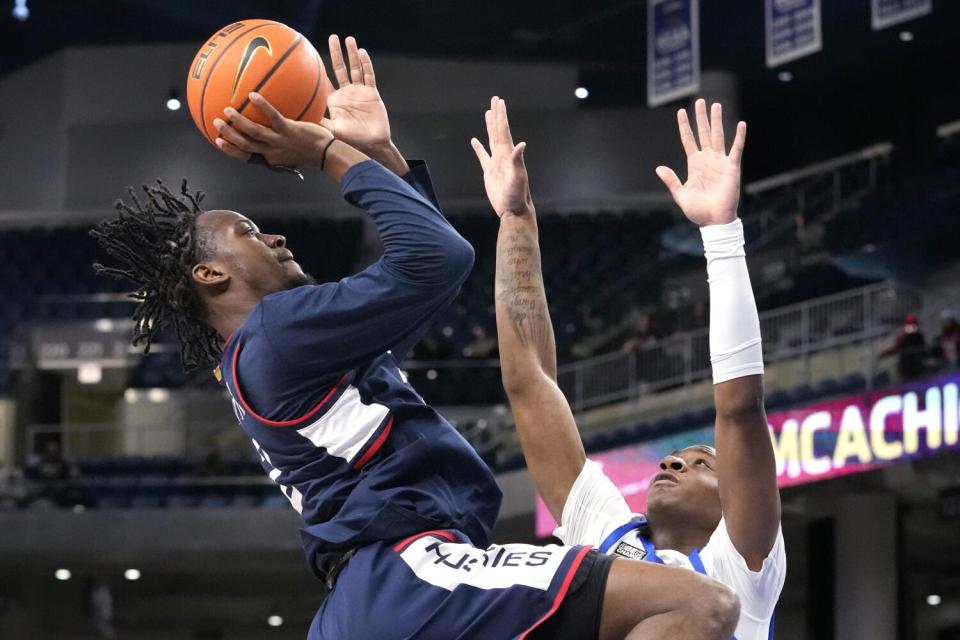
[825, 440]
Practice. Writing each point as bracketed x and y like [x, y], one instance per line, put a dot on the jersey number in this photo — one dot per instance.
[292, 493]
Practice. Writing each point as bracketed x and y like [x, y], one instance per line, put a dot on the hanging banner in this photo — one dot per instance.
[849, 435]
[793, 30]
[887, 13]
[673, 50]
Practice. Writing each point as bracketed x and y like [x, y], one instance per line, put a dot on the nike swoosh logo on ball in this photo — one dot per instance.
[257, 43]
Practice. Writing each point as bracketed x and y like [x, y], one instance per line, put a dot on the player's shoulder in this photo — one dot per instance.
[722, 554]
[291, 305]
[293, 296]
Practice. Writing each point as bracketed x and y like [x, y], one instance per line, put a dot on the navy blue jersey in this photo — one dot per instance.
[315, 380]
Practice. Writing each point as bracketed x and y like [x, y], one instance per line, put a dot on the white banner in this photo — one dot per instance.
[673, 50]
[793, 30]
[887, 13]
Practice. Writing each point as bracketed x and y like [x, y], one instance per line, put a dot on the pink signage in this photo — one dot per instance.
[820, 441]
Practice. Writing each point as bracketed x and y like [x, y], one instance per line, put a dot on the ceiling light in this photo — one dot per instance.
[132, 574]
[158, 395]
[173, 102]
[933, 599]
[20, 10]
[89, 373]
[581, 93]
[64, 574]
[274, 620]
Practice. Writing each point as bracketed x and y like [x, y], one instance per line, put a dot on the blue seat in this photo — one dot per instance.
[146, 499]
[802, 393]
[828, 387]
[182, 499]
[777, 399]
[600, 441]
[667, 425]
[275, 500]
[111, 499]
[511, 461]
[703, 418]
[214, 500]
[245, 499]
[622, 436]
[881, 380]
[853, 382]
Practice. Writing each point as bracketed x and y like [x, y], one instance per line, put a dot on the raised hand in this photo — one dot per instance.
[357, 113]
[504, 172]
[285, 142]
[712, 190]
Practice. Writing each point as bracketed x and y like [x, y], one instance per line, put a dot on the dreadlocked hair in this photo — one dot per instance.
[157, 244]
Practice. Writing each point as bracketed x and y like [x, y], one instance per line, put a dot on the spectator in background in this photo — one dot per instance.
[13, 489]
[212, 465]
[693, 316]
[482, 345]
[434, 346]
[52, 477]
[910, 347]
[640, 332]
[50, 472]
[590, 321]
[946, 347]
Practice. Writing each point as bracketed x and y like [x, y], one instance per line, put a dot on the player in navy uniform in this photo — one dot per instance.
[397, 507]
[714, 511]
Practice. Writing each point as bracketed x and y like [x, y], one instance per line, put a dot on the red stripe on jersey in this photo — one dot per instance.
[409, 541]
[280, 423]
[572, 571]
[372, 451]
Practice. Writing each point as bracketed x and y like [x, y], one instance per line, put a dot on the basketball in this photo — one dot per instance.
[256, 55]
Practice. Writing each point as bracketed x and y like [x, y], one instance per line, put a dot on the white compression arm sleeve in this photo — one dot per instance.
[735, 349]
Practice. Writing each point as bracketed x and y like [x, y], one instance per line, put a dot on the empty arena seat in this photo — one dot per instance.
[777, 399]
[853, 382]
[827, 387]
[802, 393]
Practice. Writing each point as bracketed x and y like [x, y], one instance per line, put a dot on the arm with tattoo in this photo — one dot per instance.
[528, 359]
[523, 319]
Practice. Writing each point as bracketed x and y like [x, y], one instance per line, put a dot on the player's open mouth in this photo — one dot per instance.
[664, 477]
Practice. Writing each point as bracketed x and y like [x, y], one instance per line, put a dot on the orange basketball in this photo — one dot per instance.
[256, 55]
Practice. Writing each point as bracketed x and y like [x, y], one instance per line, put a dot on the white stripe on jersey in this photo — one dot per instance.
[346, 426]
[450, 564]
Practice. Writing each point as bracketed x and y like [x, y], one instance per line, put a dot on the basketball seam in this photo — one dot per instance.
[273, 69]
[316, 87]
[203, 92]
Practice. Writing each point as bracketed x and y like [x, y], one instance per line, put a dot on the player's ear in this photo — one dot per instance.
[209, 275]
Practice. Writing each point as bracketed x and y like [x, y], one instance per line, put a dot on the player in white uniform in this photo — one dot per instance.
[713, 511]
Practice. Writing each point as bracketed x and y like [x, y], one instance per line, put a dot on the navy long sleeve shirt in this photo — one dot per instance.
[315, 381]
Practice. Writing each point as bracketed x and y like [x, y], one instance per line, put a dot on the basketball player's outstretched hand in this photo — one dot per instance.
[712, 190]
[285, 142]
[504, 172]
[357, 113]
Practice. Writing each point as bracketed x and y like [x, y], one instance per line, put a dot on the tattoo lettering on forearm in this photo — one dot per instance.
[519, 287]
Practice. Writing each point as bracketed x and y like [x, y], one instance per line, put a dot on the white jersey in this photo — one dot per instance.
[596, 514]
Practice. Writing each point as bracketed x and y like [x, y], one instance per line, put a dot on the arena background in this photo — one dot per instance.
[113, 462]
